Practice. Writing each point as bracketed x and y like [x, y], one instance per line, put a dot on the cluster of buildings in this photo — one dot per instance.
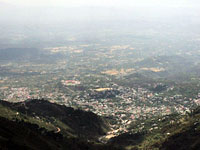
[124, 104]
[70, 82]
[17, 94]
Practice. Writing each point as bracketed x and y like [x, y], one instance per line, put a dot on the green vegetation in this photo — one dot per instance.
[18, 124]
[163, 133]
[51, 127]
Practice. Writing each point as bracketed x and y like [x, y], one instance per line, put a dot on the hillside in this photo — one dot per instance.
[70, 121]
[170, 132]
[20, 135]
[39, 124]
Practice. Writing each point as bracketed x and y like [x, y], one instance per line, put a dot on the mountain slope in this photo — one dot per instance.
[20, 135]
[170, 132]
[76, 122]
[39, 124]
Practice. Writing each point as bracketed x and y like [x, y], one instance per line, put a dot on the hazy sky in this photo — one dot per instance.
[40, 10]
[112, 3]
